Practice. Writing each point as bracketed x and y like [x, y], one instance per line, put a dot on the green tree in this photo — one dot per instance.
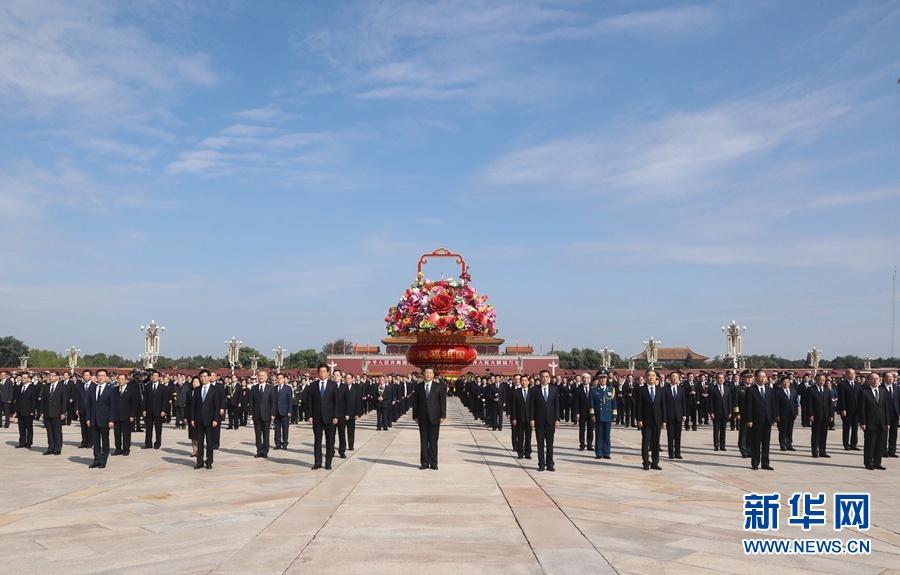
[304, 359]
[46, 358]
[10, 350]
[246, 353]
[340, 345]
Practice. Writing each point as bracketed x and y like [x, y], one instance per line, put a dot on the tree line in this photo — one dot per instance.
[577, 358]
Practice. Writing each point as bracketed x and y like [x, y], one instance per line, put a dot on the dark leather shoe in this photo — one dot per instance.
[824, 455]
[598, 457]
[722, 449]
[342, 455]
[117, 452]
[754, 467]
[209, 465]
[540, 467]
[768, 468]
[264, 455]
[48, 452]
[527, 457]
[870, 468]
[126, 453]
[551, 468]
[423, 467]
[96, 465]
[102, 466]
[277, 447]
[317, 466]
[328, 467]
[679, 457]
[607, 457]
[791, 448]
[656, 467]
[434, 467]
[646, 466]
[581, 448]
[198, 466]
[146, 447]
[258, 455]
[880, 467]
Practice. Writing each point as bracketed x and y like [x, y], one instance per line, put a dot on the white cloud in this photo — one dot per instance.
[65, 56]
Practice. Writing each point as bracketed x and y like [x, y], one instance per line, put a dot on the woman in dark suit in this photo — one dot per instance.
[192, 431]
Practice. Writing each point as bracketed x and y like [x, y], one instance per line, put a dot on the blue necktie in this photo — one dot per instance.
[652, 392]
[322, 389]
[204, 393]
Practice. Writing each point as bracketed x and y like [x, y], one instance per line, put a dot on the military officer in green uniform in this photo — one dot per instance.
[740, 409]
[603, 412]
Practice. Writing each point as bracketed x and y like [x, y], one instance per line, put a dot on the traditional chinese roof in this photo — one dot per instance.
[673, 354]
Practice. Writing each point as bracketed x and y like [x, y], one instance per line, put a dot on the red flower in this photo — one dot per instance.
[442, 322]
[442, 303]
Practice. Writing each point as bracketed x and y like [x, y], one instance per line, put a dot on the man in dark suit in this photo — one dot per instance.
[7, 394]
[284, 407]
[874, 416]
[263, 407]
[650, 412]
[429, 412]
[818, 410]
[323, 416]
[786, 413]
[545, 415]
[520, 417]
[847, 394]
[892, 389]
[156, 403]
[384, 398]
[206, 407]
[340, 408]
[27, 404]
[760, 403]
[354, 408]
[581, 407]
[720, 410]
[81, 399]
[127, 410]
[677, 400]
[101, 413]
[54, 406]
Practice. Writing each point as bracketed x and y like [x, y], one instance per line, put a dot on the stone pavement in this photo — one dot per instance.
[376, 512]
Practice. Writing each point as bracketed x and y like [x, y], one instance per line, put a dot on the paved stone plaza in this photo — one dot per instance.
[484, 511]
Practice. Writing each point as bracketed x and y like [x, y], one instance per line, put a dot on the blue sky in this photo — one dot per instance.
[611, 171]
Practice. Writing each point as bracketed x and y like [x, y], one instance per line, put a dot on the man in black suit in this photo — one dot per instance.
[892, 389]
[544, 414]
[581, 408]
[54, 405]
[284, 407]
[354, 408]
[340, 408]
[206, 407]
[101, 413]
[263, 407]
[429, 412]
[27, 403]
[7, 394]
[720, 410]
[127, 410]
[520, 417]
[678, 401]
[847, 394]
[874, 416]
[156, 403]
[323, 416]
[81, 399]
[786, 413]
[650, 412]
[384, 397]
[818, 410]
[760, 403]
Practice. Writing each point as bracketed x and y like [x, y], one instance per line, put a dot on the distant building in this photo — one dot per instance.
[671, 354]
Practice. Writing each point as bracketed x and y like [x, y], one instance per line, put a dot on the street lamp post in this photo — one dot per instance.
[151, 343]
[867, 363]
[279, 359]
[733, 344]
[23, 362]
[607, 357]
[234, 348]
[253, 363]
[73, 358]
[814, 356]
[652, 352]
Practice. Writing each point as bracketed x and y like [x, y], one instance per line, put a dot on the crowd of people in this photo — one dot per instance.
[533, 407]
[748, 402]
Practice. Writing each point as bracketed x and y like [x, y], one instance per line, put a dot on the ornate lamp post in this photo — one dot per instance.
[652, 352]
[151, 343]
[607, 357]
[814, 356]
[867, 363]
[733, 343]
[23, 362]
[254, 359]
[73, 358]
[234, 348]
[631, 365]
[279, 358]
